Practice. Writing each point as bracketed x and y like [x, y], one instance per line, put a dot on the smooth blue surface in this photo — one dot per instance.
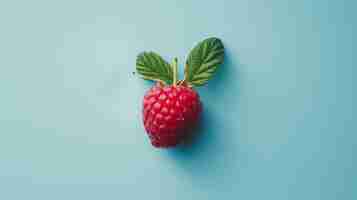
[279, 119]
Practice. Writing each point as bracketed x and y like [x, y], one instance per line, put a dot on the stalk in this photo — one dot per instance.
[174, 66]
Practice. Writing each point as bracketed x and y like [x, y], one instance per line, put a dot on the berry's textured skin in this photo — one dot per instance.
[169, 114]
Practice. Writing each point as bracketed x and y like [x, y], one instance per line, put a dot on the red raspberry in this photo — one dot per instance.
[172, 108]
[169, 113]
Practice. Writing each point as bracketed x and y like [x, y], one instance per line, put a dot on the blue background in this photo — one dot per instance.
[279, 120]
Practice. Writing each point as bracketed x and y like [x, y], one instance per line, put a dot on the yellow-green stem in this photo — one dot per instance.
[174, 66]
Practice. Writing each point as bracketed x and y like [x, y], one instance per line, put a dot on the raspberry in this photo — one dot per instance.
[172, 108]
[169, 114]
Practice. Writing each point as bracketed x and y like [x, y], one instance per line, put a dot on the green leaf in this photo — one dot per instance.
[203, 61]
[153, 67]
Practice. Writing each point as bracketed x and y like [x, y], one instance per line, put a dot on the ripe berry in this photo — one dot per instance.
[169, 114]
[172, 108]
